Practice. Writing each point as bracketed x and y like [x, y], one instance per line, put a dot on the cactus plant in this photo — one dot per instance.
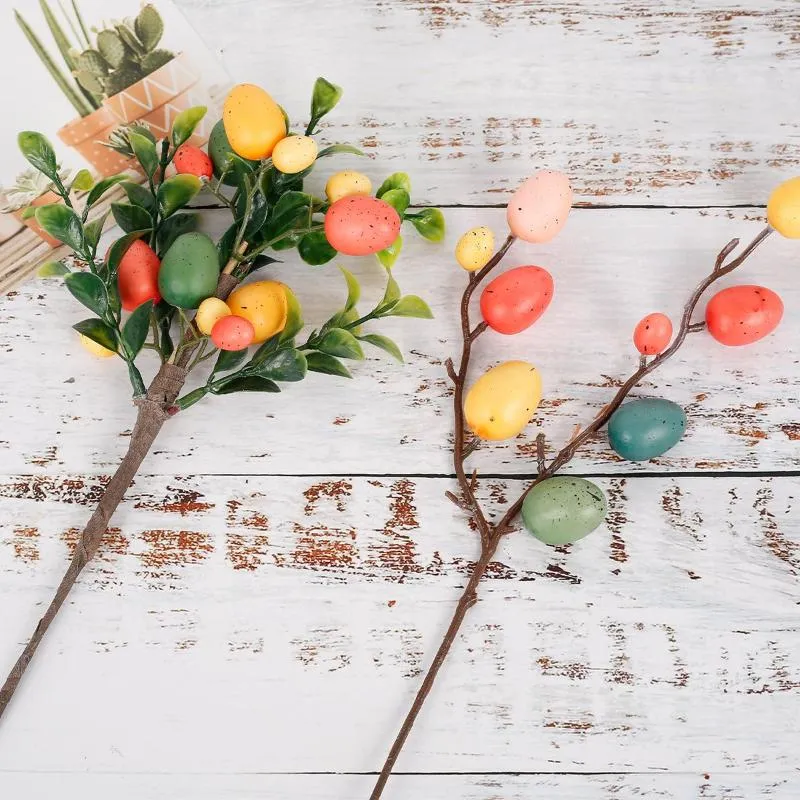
[119, 139]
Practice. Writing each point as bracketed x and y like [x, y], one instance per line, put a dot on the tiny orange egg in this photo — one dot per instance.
[233, 333]
[652, 334]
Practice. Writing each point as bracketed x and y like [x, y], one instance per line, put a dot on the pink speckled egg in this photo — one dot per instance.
[539, 208]
[358, 225]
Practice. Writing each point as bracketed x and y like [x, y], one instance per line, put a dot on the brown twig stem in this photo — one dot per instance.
[491, 535]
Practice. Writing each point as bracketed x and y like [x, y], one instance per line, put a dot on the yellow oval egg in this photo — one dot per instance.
[91, 346]
[263, 304]
[475, 248]
[503, 400]
[209, 313]
[253, 121]
[783, 209]
[347, 183]
[293, 154]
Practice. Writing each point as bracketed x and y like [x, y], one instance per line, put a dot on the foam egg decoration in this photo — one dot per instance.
[475, 248]
[189, 271]
[652, 334]
[191, 160]
[346, 183]
[783, 208]
[263, 304]
[232, 333]
[646, 428]
[360, 226]
[137, 276]
[742, 315]
[95, 348]
[254, 122]
[293, 154]
[514, 300]
[209, 313]
[563, 509]
[503, 400]
[538, 210]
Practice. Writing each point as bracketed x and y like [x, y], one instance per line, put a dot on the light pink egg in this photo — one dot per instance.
[538, 210]
[359, 225]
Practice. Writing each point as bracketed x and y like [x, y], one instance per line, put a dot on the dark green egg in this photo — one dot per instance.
[189, 271]
[219, 148]
[646, 428]
[562, 510]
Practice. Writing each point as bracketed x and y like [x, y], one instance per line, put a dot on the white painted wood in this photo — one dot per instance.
[258, 625]
[688, 104]
[610, 267]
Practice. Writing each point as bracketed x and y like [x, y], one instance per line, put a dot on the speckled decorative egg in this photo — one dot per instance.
[360, 226]
[562, 510]
[475, 248]
[643, 429]
[232, 333]
[652, 335]
[743, 314]
[254, 122]
[347, 183]
[783, 208]
[209, 313]
[137, 276]
[191, 160]
[514, 300]
[293, 154]
[538, 210]
[263, 304]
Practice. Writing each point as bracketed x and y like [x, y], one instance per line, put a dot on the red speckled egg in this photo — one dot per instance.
[652, 335]
[233, 333]
[743, 314]
[538, 210]
[192, 160]
[359, 225]
[514, 300]
[137, 276]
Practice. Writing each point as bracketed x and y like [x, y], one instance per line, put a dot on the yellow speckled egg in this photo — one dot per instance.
[347, 183]
[475, 248]
[263, 304]
[503, 400]
[539, 208]
[94, 348]
[294, 154]
[783, 209]
[253, 121]
[209, 313]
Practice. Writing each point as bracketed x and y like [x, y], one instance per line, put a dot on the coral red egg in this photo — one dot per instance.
[743, 314]
[192, 160]
[652, 335]
[514, 300]
[233, 333]
[137, 276]
[358, 225]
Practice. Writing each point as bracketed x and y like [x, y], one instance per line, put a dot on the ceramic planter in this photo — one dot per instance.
[87, 134]
[42, 200]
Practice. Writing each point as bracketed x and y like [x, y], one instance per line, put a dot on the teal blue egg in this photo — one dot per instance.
[646, 428]
[563, 509]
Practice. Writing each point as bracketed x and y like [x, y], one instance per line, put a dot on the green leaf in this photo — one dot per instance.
[397, 180]
[266, 349]
[120, 247]
[385, 343]
[145, 152]
[82, 182]
[131, 218]
[228, 360]
[353, 289]
[101, 187]
[258, 216]
[321, 362]
[314, 249]
[291, 209]
[134, 333]
[391, 295]
[89, 290]
[287, 241]
[39, 153]
[176, 192]
[323, 100]
[93, 230]
[52, 269]
[251, 383]
[388, 256]
[398, 199]
[164, 314]
[62, 223]
[28, 213]
[340, 342]
[140, 196]
[294, 317]
[190, 398]
[98, 331]
[430, 223]
[411, 306]
[285, 364]
[334, 149]
[170, 229]
[185, 124]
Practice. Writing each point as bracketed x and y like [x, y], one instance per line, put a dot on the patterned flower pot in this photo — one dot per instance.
[87, 134]
[160, 120]
[42, 200]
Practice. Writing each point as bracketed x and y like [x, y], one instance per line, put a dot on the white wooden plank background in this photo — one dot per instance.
[259, 617]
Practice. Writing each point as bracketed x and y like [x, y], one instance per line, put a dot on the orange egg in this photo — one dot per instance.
[191, 160]
[254, 122]
[538, 210]
[516, 299]
[359, 225]
[652, 335]
[233, 333]
[137, 276]
[743, 314]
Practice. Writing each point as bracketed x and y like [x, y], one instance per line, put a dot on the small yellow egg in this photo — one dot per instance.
[294, 154]
[347, 183]
[783, 209]
[475, 248]
[263, 304]
[94, 348]
[209, 313]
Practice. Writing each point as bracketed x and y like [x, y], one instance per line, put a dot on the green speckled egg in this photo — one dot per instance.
[646, 428]
[563, 509]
